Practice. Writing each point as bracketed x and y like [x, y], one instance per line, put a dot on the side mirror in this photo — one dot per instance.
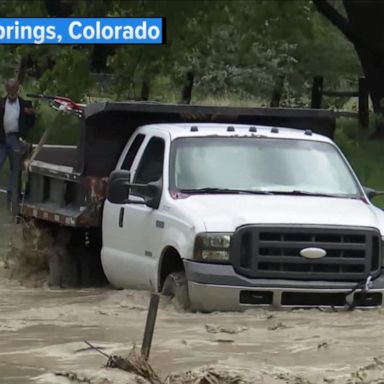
[150, 192]
[371, 193]
[118, 186]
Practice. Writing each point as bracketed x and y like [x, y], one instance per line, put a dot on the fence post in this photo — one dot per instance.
[317, 92]
[186, 93]
[363, 103]
[277, 91]
[150, 325]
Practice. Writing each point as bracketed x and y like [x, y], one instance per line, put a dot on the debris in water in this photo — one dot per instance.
[92, 347]
[134, 363]
[204, 375]
[277, 326]
[97, 349]
[323, 345]
[370, 373]
[291, 379]
[74, 377]
[209, 375]
[133, 307]
[211, 328]
[102, 313]
[101, 376]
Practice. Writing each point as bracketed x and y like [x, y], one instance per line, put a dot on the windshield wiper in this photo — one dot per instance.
[225, 191]
[306, 193]
[229, 191]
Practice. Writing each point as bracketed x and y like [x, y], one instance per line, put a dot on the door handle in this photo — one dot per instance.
[121, 217]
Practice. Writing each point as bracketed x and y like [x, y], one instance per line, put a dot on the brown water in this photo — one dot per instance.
[42, 331]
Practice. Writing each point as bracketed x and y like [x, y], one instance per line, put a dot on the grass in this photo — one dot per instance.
[365, 155]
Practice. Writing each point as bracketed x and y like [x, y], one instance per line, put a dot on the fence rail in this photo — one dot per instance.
[362, 94]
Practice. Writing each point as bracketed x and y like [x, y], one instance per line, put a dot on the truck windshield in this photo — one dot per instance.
[260, 165]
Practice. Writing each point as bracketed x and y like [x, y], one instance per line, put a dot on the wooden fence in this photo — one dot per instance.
[318, 92]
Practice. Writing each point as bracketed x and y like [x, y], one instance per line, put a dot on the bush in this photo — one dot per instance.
[365, 155]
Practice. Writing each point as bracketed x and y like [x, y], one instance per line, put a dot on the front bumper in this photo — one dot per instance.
[214, 287]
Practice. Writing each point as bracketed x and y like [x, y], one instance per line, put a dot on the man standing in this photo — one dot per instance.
[16, 118]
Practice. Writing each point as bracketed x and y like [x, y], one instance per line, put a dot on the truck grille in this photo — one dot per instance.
[274, 252]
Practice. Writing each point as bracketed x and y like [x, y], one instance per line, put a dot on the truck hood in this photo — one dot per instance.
[224, 213]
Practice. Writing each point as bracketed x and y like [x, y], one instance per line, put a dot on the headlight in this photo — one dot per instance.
[212, 247]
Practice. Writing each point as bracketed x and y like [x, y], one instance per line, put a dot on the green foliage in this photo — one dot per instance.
[64, 128]
[365, 155]
[234, 48]
[69, 75]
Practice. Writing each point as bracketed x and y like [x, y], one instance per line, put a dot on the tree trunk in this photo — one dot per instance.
[365, 20]
[186, 93]
[277, 92]
[373, 68]
[362, 26]
[21, 70]
[144, 95]
[145, 85]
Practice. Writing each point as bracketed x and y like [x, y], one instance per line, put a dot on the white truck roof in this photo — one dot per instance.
[178, 130]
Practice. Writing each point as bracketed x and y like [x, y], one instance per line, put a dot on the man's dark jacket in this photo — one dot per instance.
[26, 121]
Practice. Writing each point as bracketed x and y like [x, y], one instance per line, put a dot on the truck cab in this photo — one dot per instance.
[230, 216]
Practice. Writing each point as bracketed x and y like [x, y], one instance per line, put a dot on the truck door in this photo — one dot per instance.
[113, 253]
[136, 237]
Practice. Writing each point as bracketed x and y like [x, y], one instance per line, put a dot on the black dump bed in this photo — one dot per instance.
[67, 185]
[108, 126]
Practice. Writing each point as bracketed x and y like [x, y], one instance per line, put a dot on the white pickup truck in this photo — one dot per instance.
[216, 206]
[225, 217]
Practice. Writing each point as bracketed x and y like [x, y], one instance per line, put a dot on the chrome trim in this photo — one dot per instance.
[313, 253]
[206, 297]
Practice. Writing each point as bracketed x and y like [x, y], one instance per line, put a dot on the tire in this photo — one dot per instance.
[176, 287]
[63, 265]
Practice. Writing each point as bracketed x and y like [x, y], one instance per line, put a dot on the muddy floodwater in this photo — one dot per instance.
[42, 331]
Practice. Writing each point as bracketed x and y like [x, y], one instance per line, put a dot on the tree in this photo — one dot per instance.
[230, 50]
[361, 23]
[141, 64]
[235, 50]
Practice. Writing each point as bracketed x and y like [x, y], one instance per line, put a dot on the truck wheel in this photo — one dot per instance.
[176, 287]
[63, 265]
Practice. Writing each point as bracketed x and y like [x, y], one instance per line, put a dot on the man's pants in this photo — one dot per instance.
[7, 151]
